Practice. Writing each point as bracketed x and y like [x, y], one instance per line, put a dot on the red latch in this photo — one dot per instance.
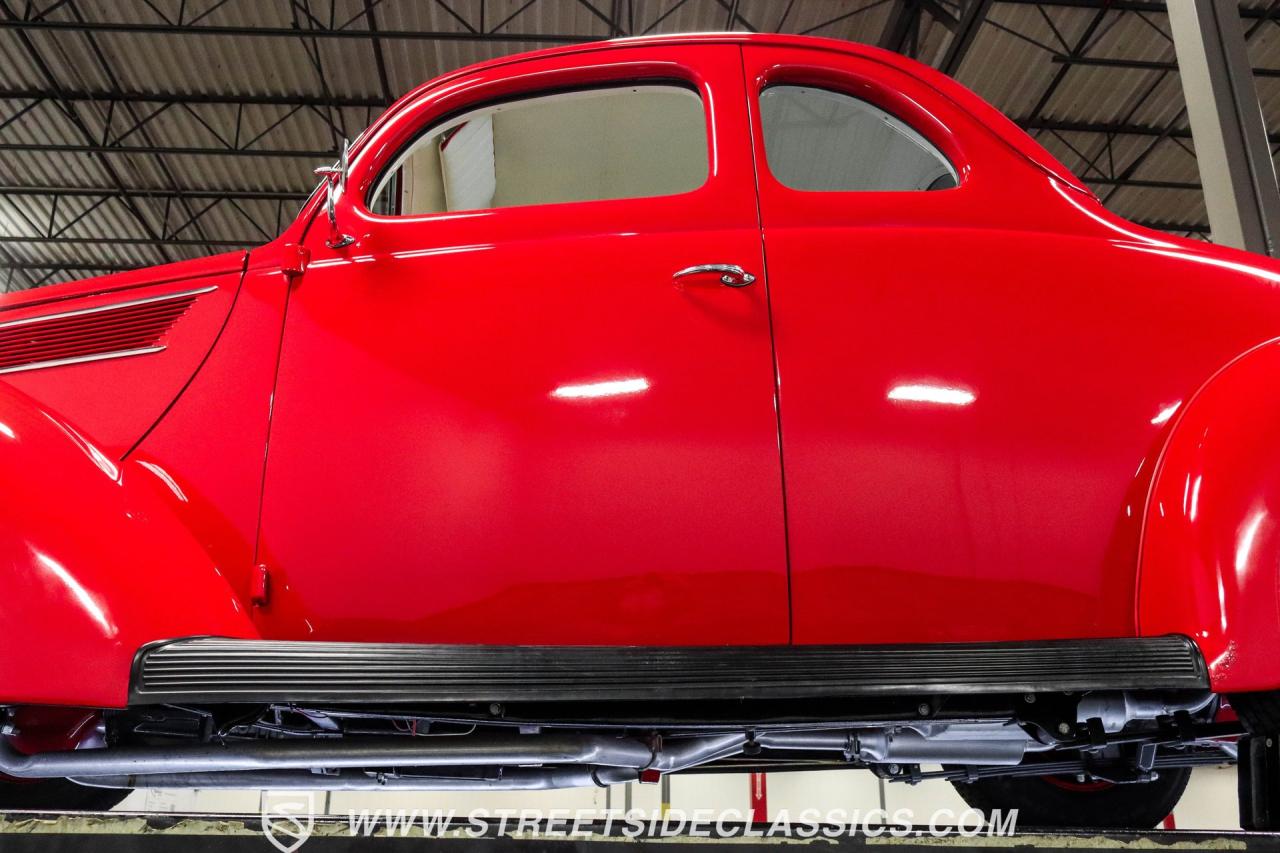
[261, 586]
[296, 258]
[651, 777]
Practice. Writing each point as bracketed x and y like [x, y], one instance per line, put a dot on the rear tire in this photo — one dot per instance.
[1060, 802]
[58, 795]
[1260, 712]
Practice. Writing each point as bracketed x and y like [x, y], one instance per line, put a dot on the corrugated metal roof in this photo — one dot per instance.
[1022, 59]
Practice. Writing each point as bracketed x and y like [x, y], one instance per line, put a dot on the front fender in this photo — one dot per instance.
[1210, 554]
[93, 564]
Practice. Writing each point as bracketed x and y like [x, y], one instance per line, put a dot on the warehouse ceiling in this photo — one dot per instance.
[135, 132]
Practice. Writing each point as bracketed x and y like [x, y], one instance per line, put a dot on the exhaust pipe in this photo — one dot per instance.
[508, 779]
[601, 750]
[908, 746]
[930, 743]
[488, 763]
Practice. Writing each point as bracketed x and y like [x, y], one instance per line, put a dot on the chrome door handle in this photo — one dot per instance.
[731, 275]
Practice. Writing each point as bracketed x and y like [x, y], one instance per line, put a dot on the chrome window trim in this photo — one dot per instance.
[97, 309]
[80, 359]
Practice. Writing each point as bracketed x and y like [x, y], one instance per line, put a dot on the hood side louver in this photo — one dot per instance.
[135, 327]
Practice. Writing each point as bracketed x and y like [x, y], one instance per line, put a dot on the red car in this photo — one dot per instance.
[669, 403]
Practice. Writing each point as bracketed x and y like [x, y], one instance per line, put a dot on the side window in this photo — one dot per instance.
[620, 142]
[825, 141]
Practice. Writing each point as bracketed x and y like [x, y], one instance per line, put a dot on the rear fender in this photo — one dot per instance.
[93, 564]
[1210, 554]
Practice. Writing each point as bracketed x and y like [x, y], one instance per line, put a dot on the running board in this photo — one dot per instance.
[209, 669]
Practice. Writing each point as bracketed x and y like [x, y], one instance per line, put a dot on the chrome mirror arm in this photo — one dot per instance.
[335, 185]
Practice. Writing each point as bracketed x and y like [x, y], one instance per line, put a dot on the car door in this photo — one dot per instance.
[503, 415]
[959, 402]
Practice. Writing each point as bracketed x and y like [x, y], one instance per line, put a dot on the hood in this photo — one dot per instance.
[144, 276]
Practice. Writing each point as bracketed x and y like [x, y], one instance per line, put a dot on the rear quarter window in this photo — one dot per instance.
[819, 140]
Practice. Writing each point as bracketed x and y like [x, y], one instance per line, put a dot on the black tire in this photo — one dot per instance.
[1043, 802]
[58, 795]
[1260, 712]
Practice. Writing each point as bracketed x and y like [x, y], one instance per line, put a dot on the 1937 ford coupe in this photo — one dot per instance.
[623, 409]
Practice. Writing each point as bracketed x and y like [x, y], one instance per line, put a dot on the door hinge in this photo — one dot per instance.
[260, 590]
[296, 258]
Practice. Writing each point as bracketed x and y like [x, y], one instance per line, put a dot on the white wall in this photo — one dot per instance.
[1210, 801]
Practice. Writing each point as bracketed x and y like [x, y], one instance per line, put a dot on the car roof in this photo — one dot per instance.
[997, 122]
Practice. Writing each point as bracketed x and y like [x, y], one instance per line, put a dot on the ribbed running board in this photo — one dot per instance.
[222, 670]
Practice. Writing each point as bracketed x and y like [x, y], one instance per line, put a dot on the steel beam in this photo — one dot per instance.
[904, 20]
[971, 18]
[8, 18]
[1111, 129]
[120, 239]
[246, 99]
[1141, 64]
[72, 148]
[147, 28]
[1153, 7]
[1232, 148]
[54, 266]
[901, 33]
[1174, 227]
[110, 74]
[378, 58]
[155, 194]
[1081, 45]
[1138, 183]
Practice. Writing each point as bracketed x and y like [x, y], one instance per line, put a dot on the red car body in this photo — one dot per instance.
[995, 413]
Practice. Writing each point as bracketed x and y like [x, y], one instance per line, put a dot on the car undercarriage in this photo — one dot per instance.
[1111, 736]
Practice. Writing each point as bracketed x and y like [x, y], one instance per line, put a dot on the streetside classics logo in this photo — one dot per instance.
[288, 823]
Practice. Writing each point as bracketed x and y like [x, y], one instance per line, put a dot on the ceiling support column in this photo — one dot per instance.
[1232, 149]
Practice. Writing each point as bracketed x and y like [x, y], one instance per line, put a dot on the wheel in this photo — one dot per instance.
[1260, 712]
[1061, 801]
[58, 795]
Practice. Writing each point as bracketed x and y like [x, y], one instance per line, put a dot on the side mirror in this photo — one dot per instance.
[335, 185]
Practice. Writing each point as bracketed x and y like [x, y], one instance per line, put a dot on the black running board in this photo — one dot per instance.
[209, 669]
